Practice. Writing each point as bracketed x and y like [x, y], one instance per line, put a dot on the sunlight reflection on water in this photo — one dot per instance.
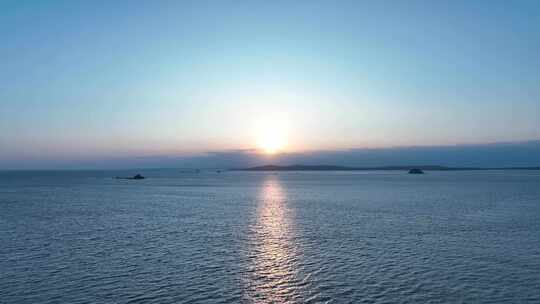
[273, 271]
[287, 237]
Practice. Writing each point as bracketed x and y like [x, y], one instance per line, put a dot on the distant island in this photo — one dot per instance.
[138, 176]
[384, 168]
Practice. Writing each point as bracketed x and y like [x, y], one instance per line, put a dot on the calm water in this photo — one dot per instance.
[367, 237]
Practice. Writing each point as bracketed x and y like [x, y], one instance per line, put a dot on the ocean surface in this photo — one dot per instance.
[262, 237]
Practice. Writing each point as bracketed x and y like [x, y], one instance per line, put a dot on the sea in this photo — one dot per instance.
[182, 236]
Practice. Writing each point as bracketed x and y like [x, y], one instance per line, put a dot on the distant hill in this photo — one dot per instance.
[343, 168]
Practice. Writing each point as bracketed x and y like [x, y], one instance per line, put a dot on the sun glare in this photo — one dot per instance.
[271, 142]
[270, 132]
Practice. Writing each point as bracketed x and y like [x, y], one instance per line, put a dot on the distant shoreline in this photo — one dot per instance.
[382, 168]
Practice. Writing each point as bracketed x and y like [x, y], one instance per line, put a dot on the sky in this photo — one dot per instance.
[88, 83]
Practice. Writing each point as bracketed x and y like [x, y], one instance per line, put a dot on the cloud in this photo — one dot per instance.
[480, 155]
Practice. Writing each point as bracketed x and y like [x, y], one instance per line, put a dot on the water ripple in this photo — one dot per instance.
[266, 238]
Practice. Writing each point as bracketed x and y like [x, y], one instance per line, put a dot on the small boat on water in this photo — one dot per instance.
[416, 171]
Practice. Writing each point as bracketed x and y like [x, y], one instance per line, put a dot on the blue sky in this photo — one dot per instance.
[84, 80]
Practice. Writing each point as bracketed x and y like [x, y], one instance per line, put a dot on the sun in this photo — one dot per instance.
[271, 141]
[270, 132]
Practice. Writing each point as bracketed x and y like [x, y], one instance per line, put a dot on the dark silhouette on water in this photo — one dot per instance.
[416, 171]
[343, 168]
[138, 176]
[383, 168]
[190, 171]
